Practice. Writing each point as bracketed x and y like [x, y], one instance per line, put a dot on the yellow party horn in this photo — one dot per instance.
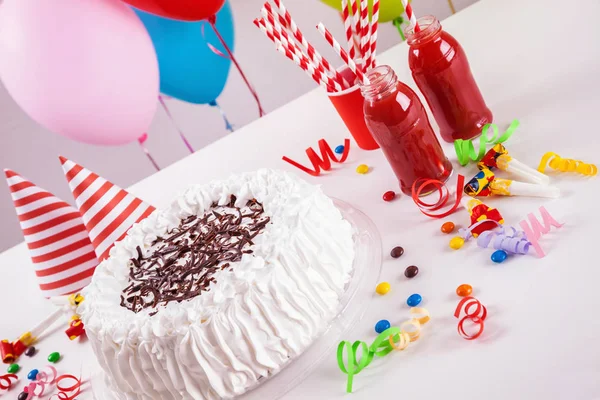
[485, 183]
[498, 157]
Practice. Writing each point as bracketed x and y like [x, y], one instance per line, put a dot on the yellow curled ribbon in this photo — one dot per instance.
[465, 149]
[566, 165]
[394, 338]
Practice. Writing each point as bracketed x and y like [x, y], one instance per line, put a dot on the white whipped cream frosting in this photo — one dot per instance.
[264, 311]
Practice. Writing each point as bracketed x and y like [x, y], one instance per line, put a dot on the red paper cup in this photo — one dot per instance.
[349, 105]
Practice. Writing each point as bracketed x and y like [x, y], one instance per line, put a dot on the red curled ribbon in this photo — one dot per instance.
[324, 162]
[7, 378]
[444, 195]
[476, 316]
[63, 391]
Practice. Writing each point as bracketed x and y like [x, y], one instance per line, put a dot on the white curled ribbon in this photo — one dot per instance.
[508, 239]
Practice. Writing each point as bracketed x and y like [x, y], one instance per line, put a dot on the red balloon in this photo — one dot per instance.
[185, 10]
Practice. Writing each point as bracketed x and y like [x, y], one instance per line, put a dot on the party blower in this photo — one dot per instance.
[498, 157]
[486, 184]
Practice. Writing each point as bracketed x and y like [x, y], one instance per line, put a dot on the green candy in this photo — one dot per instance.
[13, 368]
[54, 357]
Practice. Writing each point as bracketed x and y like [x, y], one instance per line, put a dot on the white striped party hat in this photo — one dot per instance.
[59, 245]
[107, 210]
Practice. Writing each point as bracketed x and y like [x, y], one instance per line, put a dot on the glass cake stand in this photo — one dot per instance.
[353, 304]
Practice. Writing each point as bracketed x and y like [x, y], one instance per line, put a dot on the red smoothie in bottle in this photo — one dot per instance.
[399, 124]
[441, 70]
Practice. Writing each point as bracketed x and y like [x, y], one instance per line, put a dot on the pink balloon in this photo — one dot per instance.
[85, 69]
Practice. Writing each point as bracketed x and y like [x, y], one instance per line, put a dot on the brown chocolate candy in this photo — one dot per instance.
[411, 272]
[397, 252]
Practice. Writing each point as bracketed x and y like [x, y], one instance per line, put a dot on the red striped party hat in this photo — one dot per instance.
[107, 210]
[60, 248]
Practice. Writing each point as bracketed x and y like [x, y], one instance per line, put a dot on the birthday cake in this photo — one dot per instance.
[218, 291]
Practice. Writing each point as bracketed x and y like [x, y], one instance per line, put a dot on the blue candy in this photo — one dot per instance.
[499, 256]
[32, 374]
[339, 149]
[414, 300]
[382, 325]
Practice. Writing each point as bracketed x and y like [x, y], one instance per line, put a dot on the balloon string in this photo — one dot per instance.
[398, 24]
[212, 21]
[141, 141]
[228, 125]
[168, 112]
[451, 5]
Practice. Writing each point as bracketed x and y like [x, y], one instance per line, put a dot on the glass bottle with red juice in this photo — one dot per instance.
[399, 124]
[441, 70]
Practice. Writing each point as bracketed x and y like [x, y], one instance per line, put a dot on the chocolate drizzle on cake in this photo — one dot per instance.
[183, 263]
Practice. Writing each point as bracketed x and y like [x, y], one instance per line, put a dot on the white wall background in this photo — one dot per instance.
[32, 151]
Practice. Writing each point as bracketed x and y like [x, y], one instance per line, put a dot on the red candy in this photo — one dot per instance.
[476, 316]
[389, 195]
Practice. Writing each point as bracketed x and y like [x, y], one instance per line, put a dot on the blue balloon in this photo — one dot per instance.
[189, 69]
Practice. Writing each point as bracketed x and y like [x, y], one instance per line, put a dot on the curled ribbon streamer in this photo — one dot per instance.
[381, 346]
[7, 378]
[424, 314]
[444, 195]
[32, 391]
[63, 391]
[403, 341]
[354, 367]
[476, 316]
[515, 242]
[44, 377]
[465, 149]
[324, 162]
[394, 338]
[558, 163]
[537, 229]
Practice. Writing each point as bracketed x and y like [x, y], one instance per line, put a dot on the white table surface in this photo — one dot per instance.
[541, 336]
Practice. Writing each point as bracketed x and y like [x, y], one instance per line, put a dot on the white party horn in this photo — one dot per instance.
[507, 187]
[498, 157]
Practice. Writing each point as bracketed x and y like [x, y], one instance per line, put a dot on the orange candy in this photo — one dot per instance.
[448, 227]
[464, 290]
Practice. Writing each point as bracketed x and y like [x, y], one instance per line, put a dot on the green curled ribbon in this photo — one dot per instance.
[353, 367]
[465, 149]
[381, 347]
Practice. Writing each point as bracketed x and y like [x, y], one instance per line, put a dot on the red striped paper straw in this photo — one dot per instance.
[365, 47]
[341, 52]
[411, 15]
[294, 53]
[374, 26]
[312, 52]
[348, 27]
[279, 33]
[274, 35]
[321, 79]
[356, 19]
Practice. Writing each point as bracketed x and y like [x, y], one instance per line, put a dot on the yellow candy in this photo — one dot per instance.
[362, 169]
[383, 288]
[457, 242]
